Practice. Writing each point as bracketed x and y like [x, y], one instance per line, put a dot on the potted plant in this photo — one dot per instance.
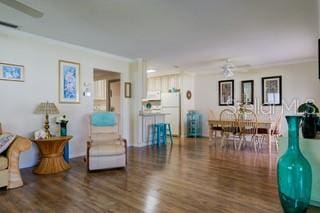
[62, 121]
[310, 119]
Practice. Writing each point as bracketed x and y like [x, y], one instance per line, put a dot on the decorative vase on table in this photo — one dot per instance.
[309, 126]
[294, 173]
[310, 119]
[63, 129]
[62, 121]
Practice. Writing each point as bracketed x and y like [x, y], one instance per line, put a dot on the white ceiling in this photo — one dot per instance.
[180, 32]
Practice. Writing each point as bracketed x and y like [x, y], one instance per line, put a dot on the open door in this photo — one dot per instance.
[114, 96]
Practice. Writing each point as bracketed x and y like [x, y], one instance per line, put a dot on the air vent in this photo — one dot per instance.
[8, 25]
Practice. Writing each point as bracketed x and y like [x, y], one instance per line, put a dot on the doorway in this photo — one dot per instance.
[114, 95]
[106, 91]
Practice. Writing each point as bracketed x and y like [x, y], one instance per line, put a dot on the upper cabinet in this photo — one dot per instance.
[164, 83]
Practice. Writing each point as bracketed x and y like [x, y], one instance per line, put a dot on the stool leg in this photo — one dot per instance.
[149, 135]
[169, 127]
[158, 134]
[153, 133]
[164, 133]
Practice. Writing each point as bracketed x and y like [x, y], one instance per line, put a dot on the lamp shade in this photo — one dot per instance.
[46, 108]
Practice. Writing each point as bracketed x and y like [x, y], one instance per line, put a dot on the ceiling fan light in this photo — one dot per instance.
[151, 70]
[230, 74]
[227, 73]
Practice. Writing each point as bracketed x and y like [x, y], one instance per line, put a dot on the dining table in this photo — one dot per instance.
[265, 125]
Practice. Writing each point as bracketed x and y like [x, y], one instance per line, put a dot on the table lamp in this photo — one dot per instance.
[46, 109]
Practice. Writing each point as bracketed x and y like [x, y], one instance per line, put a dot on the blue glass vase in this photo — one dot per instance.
[294, 173]
[63, 132]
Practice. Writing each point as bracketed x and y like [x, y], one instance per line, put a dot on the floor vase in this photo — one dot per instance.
[294, 173]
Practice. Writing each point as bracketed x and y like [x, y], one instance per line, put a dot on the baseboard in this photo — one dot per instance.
[78, 155]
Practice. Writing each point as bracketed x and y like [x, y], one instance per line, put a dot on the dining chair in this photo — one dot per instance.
[276, 131]
[247, 122]
[214, 128]
[228, 122]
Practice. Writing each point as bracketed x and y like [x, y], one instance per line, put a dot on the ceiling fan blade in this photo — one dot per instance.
[243, 66]
[22, 8]
[204, 63]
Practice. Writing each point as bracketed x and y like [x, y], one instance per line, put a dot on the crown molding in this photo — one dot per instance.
[21, 34]
[266, 66]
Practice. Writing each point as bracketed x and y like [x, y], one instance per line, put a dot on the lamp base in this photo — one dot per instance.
[46, 127]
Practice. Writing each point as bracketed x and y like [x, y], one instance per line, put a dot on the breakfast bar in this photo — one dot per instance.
[146, 120]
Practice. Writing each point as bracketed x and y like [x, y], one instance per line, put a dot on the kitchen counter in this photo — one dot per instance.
[152, 113]
[146, 120]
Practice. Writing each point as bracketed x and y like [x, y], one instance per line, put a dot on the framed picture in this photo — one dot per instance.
[11, 72]
[247, 91]
[69, 82]
[272, 90]
[226, 93]
[127, 90]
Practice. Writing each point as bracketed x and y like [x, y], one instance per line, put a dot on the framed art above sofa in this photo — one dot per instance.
[69, 82]
[11, 72]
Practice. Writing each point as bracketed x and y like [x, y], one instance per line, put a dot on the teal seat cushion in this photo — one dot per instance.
[103, 119]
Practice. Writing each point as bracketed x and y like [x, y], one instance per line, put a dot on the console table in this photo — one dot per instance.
[51, 150]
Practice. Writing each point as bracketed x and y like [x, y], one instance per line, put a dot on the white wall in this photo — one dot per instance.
[40, 57]
[186, 105]
[299, 82]
[139, 90]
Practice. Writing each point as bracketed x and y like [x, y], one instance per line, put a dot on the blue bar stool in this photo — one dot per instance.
[167, 127]
[159, 133]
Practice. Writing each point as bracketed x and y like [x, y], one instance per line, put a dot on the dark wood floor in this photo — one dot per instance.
[189, 177]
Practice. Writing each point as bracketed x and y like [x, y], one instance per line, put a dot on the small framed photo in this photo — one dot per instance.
[69, 82]
[226, 93]
[127, 90]
[247, 92]
[11, 72]
[272, 91]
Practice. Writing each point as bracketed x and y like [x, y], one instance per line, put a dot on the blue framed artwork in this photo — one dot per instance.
[11, 72]
[69, 82]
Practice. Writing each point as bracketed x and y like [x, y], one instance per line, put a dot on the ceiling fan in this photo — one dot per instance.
[226, 64]
[229, 68]
[22, 8]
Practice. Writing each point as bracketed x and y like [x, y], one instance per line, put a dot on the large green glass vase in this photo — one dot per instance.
[294, 173]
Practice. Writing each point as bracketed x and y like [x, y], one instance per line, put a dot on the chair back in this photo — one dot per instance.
[248, 122]
[264, 117]
[211, 115]
[278, 125]
[228, 119]
[103, 133]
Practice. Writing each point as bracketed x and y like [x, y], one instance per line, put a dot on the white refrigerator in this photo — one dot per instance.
[170, 104]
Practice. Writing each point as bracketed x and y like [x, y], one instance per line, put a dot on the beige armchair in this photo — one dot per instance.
[105, 148]
[9, 162]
